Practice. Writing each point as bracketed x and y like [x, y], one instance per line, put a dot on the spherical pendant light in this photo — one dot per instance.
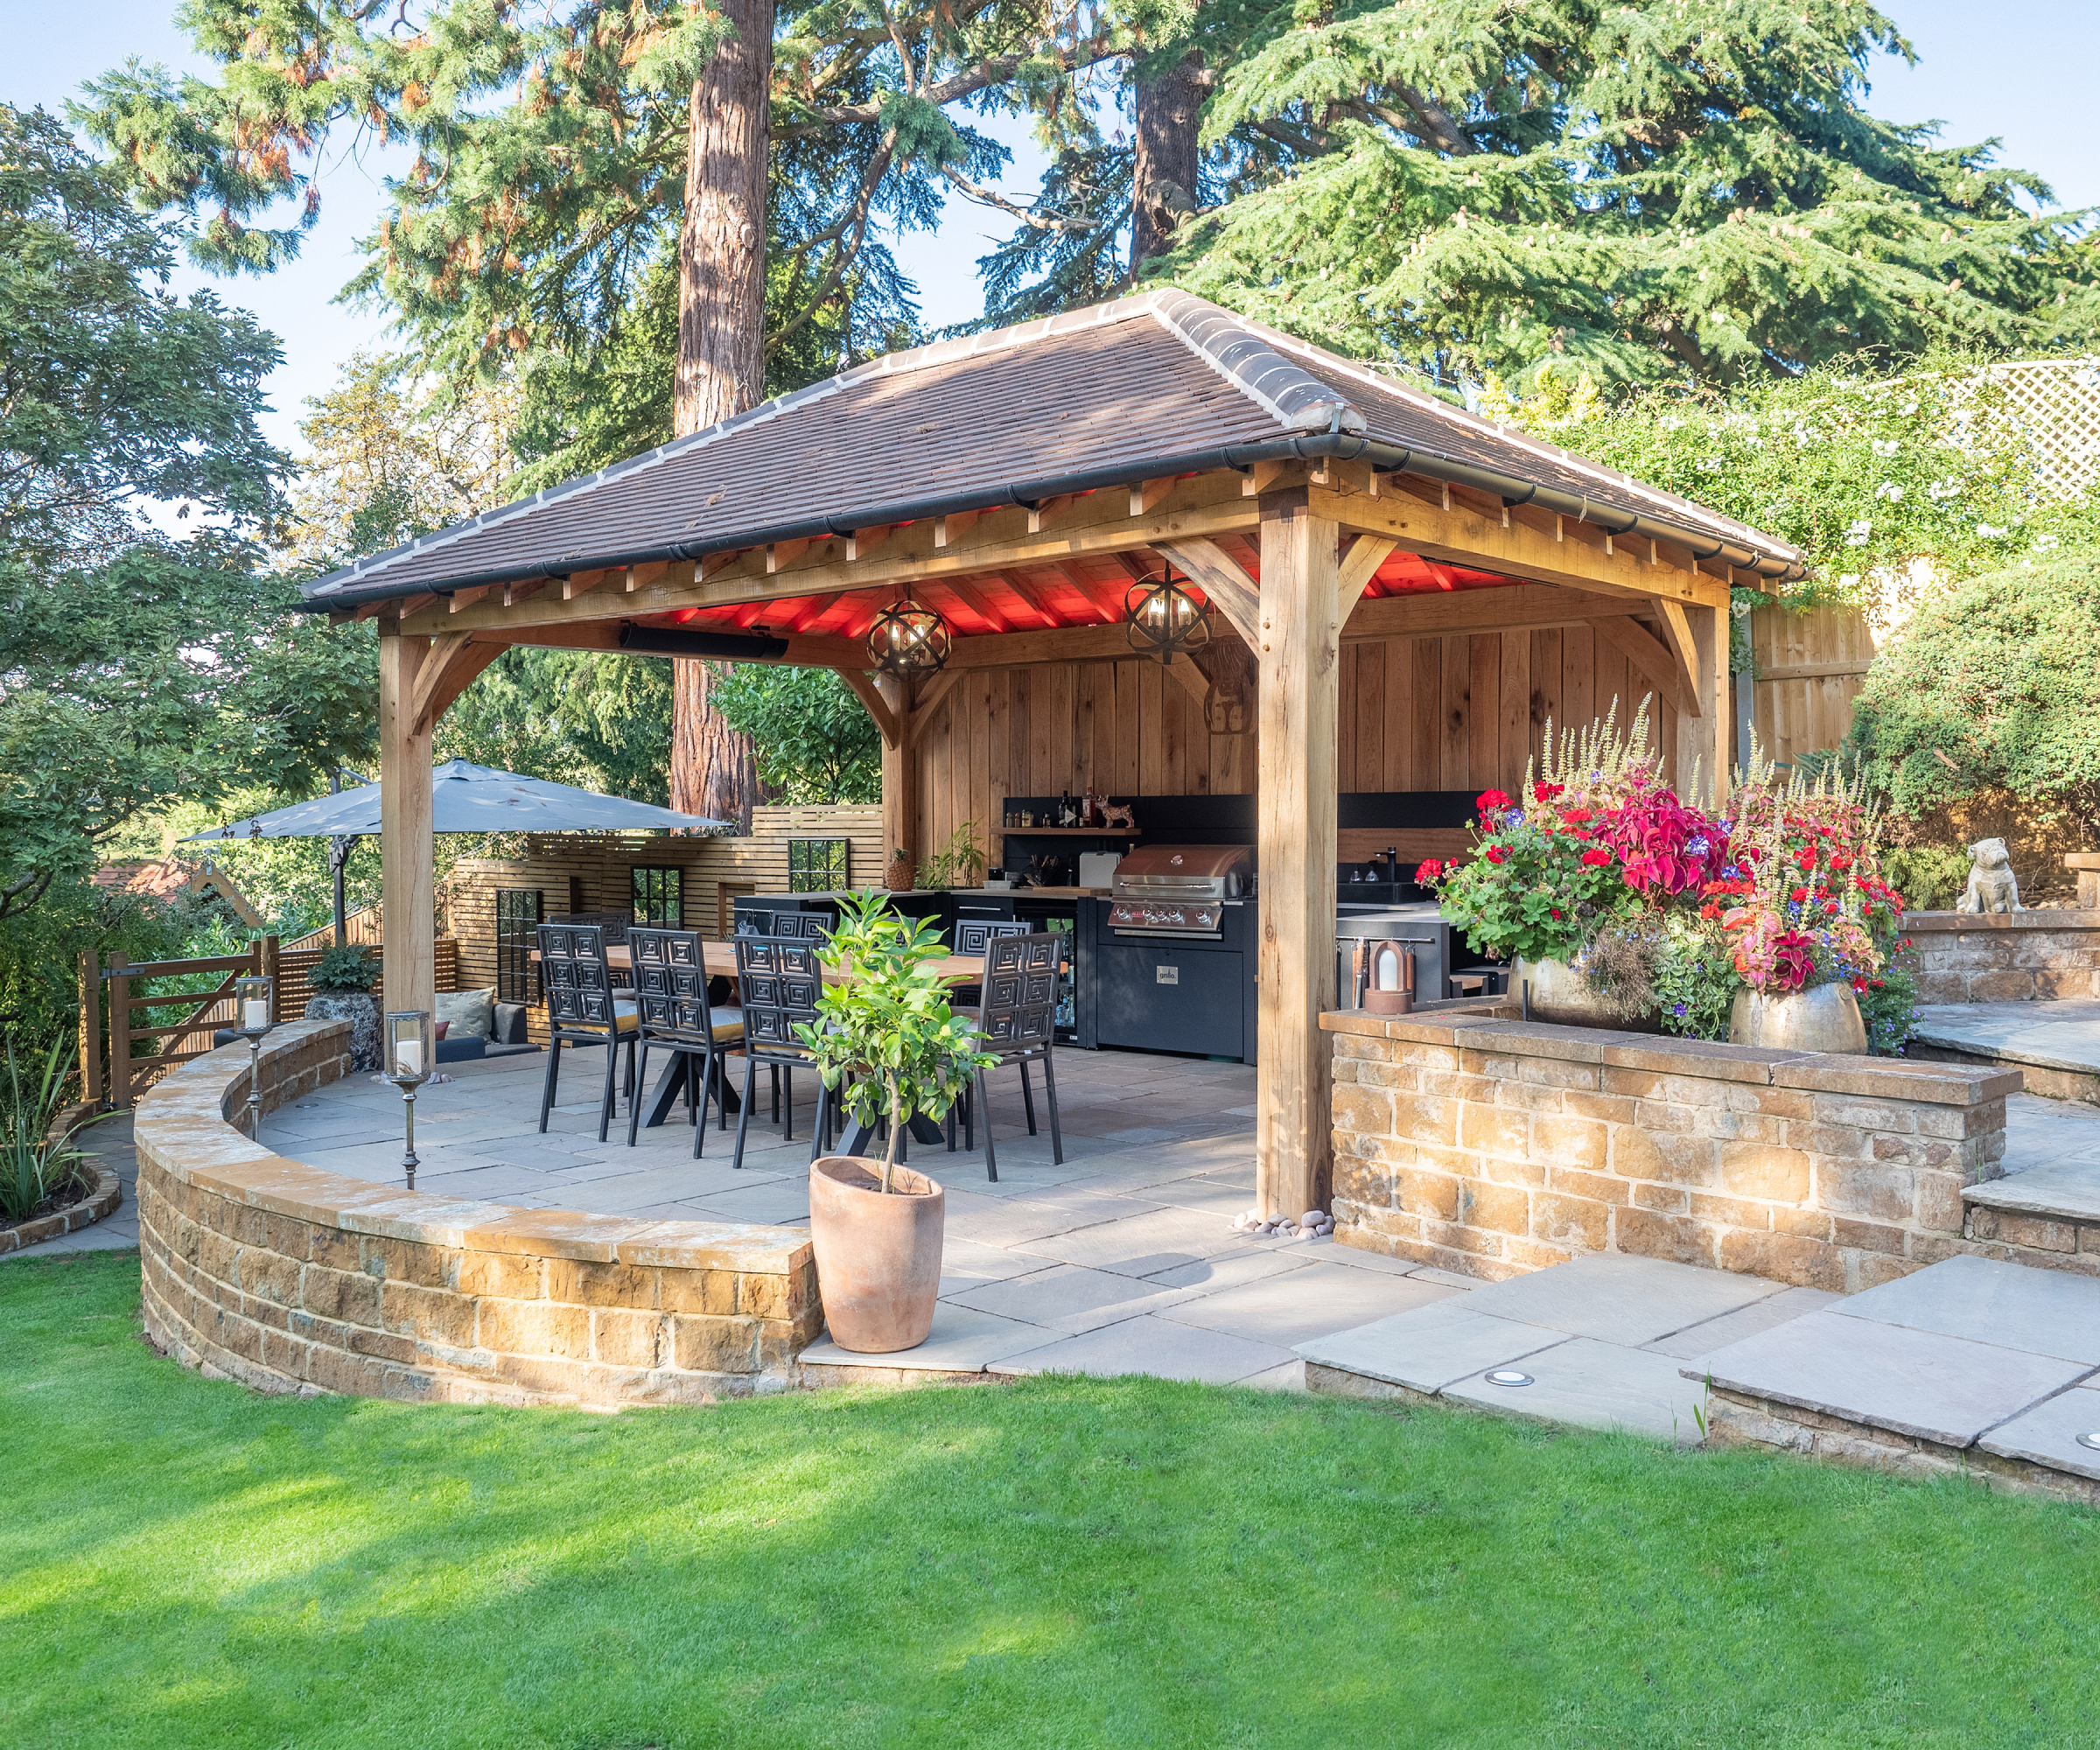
[909, 640]
[1164, 619]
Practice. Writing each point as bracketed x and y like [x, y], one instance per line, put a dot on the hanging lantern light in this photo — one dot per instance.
[909, 640]
[1163, 618]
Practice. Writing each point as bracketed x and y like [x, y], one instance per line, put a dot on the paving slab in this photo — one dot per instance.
[1430, 1347]
[2013, 1305]
[1228, 1270]
[1153, 1346]
[1585, 1383]
[2047, 1434]
[1294, 1308]
[1745, 1321]
[1617, 1299]
[1068, 1299]
[1920, 1382]
[1142, 1244]
[1023, 1221]
[965, 1264]
[1289, 1377]
[963, 1341]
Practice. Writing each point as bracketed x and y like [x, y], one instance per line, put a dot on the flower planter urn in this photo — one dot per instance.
[877, 1256]
[361, 1009]
[1564, 998]
[1826, 1018]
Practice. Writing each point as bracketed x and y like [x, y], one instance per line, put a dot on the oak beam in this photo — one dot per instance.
[1359, 565]
[1461, 536]
[869, 695]
[1095, 524]
[1299, 648]
[1449, 612]
[1652, 657]
[899, 786]
[1224, 581]
[1184, 670]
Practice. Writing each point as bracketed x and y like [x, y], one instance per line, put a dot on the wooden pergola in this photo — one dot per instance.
[1019, 482]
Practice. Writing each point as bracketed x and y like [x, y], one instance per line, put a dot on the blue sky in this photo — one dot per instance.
[2020, 72]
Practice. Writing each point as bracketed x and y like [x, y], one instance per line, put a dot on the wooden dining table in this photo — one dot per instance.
[720, 959]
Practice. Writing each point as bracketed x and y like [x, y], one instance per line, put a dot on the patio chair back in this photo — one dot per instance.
[670, 982]
[780, 979]
[1020, 991]
[972, 935]
[577, 977]
[803, 926]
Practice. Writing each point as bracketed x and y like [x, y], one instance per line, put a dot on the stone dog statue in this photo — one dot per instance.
[1993, 886]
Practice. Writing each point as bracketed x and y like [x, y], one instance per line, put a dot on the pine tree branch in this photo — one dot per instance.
[1436, 123]
[1068, 227]
[965, 83]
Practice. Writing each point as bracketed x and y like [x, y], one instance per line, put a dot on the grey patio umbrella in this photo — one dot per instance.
[464, 798]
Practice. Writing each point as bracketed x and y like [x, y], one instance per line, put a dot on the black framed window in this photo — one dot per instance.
[659, 898]
[519, 915]
[818, 865]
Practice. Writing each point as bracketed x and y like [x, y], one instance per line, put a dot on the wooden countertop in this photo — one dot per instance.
[721, 959]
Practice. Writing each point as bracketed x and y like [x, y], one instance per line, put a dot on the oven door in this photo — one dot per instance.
[1160, 996]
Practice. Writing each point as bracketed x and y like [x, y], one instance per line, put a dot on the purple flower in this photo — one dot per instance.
[1679, 1009]
[1696, 848]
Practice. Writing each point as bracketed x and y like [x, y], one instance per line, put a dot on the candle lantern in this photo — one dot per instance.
[410, 1047]
[1163, 619]
[909, 640]
[255, 1010]
[1389, 978]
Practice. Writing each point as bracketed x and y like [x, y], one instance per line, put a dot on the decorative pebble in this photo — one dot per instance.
[1312, 1218]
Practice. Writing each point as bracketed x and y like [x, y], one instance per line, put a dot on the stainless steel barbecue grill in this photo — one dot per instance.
[1179, 890]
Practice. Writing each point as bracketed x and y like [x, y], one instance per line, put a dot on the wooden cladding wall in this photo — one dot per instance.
[596, 873]
[1456, 713]
[1811, 667]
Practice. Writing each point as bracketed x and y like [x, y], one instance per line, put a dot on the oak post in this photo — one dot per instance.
[91, 1027]
[120, 1033]
[900, 780]
[1702, 740]
[1300, 654]
[406, 854]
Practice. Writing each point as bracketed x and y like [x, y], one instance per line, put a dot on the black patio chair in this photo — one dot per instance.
[972, 937]
[1017, 1023]
[779, 977]
[671, 994]
[582, 1009]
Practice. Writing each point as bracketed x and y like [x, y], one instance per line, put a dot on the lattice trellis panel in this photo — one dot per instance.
[2053, 407]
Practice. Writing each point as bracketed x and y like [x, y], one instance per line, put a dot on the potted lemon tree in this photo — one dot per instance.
[890, 1049]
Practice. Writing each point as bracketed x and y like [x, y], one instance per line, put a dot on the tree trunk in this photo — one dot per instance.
[721, 369]
[1163, 179]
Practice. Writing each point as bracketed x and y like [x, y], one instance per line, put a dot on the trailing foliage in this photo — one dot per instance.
[1864, 472]
[1996, 684]
[345, 970]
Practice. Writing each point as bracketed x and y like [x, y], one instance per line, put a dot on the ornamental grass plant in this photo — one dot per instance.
[1669, 904]
[34, 1169]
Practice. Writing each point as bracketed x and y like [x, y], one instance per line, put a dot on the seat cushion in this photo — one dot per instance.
[725, 1023]
[470, 1013]
[625, 1016]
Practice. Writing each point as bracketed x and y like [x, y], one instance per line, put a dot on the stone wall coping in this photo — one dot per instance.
[2082, 860]
[2043, 917]
[182, 1123]
[1938, 1084]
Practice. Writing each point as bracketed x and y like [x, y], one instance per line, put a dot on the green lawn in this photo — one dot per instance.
[1067, 1562]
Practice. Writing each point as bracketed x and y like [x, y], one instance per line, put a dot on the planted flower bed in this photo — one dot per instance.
[1767, 920]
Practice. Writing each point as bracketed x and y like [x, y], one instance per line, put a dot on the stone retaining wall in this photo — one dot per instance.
[2006, 956]
[1494, 1146]
[289, 1279]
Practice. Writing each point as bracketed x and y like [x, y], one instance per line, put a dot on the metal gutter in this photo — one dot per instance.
[1343, 446]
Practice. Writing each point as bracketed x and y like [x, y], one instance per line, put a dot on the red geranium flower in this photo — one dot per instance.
[1430, 871]
[1490, 799]
[1496, 853]
[1577, 817]
[1545, 792]
[1596, 857]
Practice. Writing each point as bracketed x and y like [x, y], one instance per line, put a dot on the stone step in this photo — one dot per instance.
[2055, 1044]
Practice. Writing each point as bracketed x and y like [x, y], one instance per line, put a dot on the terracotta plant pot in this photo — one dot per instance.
[1562, 997]
[878, 1257]
[1824, 1019]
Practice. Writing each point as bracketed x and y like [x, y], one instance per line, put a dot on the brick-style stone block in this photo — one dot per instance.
[1423, 1192]
[1565, 1142]
[1791, 1258]
[1500, 1208]
[503, 1276]
[698, 1290]
[1682, 1239]
[405, 1261]
[1578, 1223]
[624, 1338]
[2036, 1233]
[535, 1327]
[600, 1285]
[1366, 1110]
[1939, 1200]
[1637, 1152]
[1598, 1187]
[1361, 1181]
[1884, 1194]
[435, 1315]
[1868, 1236]
[1759, 1170]
[707, 1345]
[1494, 1130]
[349, 1295]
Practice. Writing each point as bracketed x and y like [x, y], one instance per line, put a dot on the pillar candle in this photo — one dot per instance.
[407, 1056]
[254, 1015]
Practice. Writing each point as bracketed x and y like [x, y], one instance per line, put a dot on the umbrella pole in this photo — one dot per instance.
[338, 854]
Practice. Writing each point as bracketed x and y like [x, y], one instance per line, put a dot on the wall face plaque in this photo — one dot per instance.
[1167, 975]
